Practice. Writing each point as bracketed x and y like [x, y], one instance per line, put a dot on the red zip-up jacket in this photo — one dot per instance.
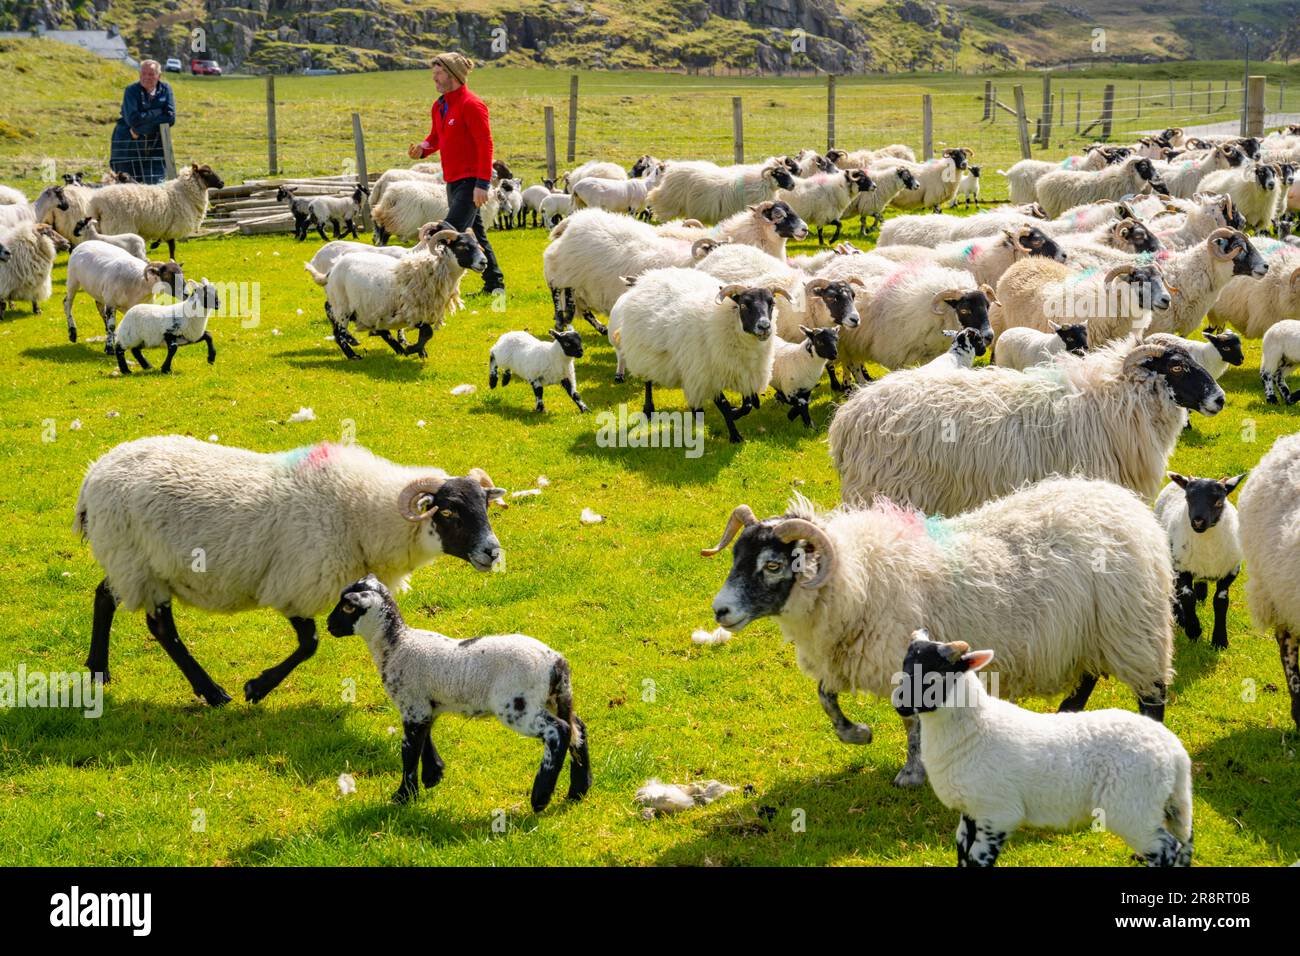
[461, 133]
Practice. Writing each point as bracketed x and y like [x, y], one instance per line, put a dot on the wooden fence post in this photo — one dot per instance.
[988, 100]
[1139, 101]
[1107, 110]
[1060, 113]
[830, 111]
[363, 175]
[573, 117]
[1022, 123]
[1078, 111]
[1046, 139]
[272, 163]
[1281, 89]
[548, 115]
[927, 127]
[1209, 98]
[1172, 104]
[169, 157]
[1255, 106]
[737, 131]
[1045, 114]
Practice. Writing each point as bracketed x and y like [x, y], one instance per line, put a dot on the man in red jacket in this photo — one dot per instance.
[461, 133]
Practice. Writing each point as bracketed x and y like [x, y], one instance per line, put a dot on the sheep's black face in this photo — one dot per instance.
[502, 170]
[467, 251]
[1266, 178]
[974, 171]
[973, 313]
[507, 185]
[1233, 156]
[786, 220]
[1246, 261]
[1152, 293]
[60, 198]
[969, 340]
[824, 343]
[839, 300]
[1189, 385]
[1116, 155]
[1287, 171]
[207, 177]
[928, 678]
[824, 165]
[755, 307]
[1228, 345]
[1250, 147]
[1038, 243]
[1206, 498]
[782, 176]
[1074, 337]
[639, 169]
[906, 178]
[790, 164]
[282, 194]
[1232, 219]
[459, 520]
[762, 574]
[570, 342]
[80, 227]
[1140, 238]
[958, 156]
[858, 178]
[357, 603]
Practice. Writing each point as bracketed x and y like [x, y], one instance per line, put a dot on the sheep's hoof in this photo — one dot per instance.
[910, 777]
[72, 335]
[403, 796]
[431, 778]
[216, 697]
[101, 677]
[619, 378]
[109, 349]
[855, 734]
[1271, 399]
[354, 357]
[582, 407]
[253, 690]
[1220, 642]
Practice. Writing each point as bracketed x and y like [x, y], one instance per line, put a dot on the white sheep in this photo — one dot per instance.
[1203, 537]
[1200, 274]
[226, 530]
[11, 197]
[1116, 303]
[823, 198]
[1115, 415]
[555, 207]
[849, 587]
[323, 261]
[967, 346]
[889, 182]
[710, 193]
[340, 212]
[593, 169]
[116, 280]
[1183, 177]
[1269, 518]
[1021, 347]
[1256, 189]
[930, 230]
[538, 363]
[61, 207]
[1280, 356]
[1022, 177]
[766, 225]
[936, 180]
[382, 294]
[511, 195]
[174, 210]
[390, 176]
[1251, 305]
[1003, 767]
[797, 368]
[680, 328]
[25, 273]
[87, 230]
[17, 215]
[155, 326]
[515, 678]
[861, 158]
[1066, 188]
[1184, 228]
[986, 258]
[532, 198]
[407, 205]
[616, 195]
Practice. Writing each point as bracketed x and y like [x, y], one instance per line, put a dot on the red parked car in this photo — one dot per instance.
[205, 68]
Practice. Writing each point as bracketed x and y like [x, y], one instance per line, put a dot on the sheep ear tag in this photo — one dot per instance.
[978, 659]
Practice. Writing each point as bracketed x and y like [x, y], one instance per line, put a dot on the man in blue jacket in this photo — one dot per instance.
[137, 143]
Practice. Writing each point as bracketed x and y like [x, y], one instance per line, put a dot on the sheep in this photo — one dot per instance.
[808, 162]
[1201, 524]
[594, 169]
[643, 165]
[766, 226]
[711, 193]
[936, 179]
[154, 326]
[62, 207]
[1114, 415]
[930, 230]
[87, 230]
[512, 203]
[1251, 305]
[821, 199]
[25, 273]
[555, 207]
[17, 215]
[985, 258]
[1219, 350]
[1255, 189]
[1183, 178]
[341, 212]
[515, 678]
[1021, 347]
[1269, 519]
[490, 212]
[1116, 303]
[872, 202]
[679, 328]
[407, 205]
[1003, 767]
[1107, 246]
[1065, 188]
[617, 195]
[116, 280]
[797, 368]
[968, 189]
[390, 176]
[381, 294]
[298, 208]
[323, 261]
[1280, 355]
[433, 169]
[174, 210]
[11, 197]
[967, 346]
[286, 531]
[860, 158]
[538, 363]
[1200, 274]
[849, 587]
[533, 197]
[1207, 212]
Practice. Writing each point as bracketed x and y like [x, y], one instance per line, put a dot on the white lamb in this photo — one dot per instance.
[936, 180]
[821, 199]
[538, 363]
[555, 207]
[889, 182]
[797, 368]
[1280, 356]
[155, 326]
[616, 195]
[341, 212]
[1021, 347]
[87, 230]
[1202, 527]
[967, 345]
[116, 280]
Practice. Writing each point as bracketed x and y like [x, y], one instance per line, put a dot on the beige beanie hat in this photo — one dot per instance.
[457, 64]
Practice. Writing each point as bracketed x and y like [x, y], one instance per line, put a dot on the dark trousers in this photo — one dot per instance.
[463, 215]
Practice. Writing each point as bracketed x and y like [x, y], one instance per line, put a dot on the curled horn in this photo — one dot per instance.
[733, 289]
[493, 492]
[1141, 354]
[1115, 273]
[406, 500]
[857, 281]
[1295, 281]
[969, 152]
[702, 247]
[442, 237]
[777, 290]
[989, 294]
[937, 305]
[762, 207]
[1123, 228]
[693, 223]
[1220, 234]
[794, 529]
[741, 517]
[817, 284]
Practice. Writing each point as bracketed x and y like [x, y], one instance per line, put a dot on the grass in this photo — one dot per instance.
[620, 599]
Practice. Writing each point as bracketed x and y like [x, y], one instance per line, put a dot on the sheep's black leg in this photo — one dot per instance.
[321, 229]
[985, 847]
[381, 235]
[1270, 389]
[392, 342]
[913, 772]
[1279, 378]
[555, 735]
[431, 765]
[1187, 606]
[352, 229]
[965, 838]
[838, 226]
[36, 307]
[1289, 647]
[537, 394]
[138, 352]
[505, 378]
[100, 628]
[820, 241]
[110, 329]
[171, 249]
[835, 382]
[557, 307]
[573, 394]
[342, 338]
[172, 346]
[595, 323]
[728, 415]
[1154, 707]
[121, 360]
[648, 408]
[1202, 588]
[425, 333]
[212, 349]
[269, 679]
[802, 406]
[848, 731]
[1163, 849]
[163, 627]
[415, 734]
[1079, 698]
[334, 225]
[1220, 636]
[780, 396]
[579, 760]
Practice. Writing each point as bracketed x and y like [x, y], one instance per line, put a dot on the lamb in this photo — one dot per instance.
[1021, 347]
[889, 183]
[381, 294]
[533, 197]
[967, 345]
[165, 213]
[153, 326]
[298, 208]
[797, 368]
[680, 328]
[1251, 305]
[286, 531]
[936, 179]
[1113, 415]
[1200, 274]
[1065, 188]
[1219, 350]
[1281, 354]
[1002, 767]
[538, 363]
[1255, 189]
[341, 212]
[116, 280]
[710, 193]
[617, 195]
[515, 678]
[821, 199]
[849, 587]
[512, 203]
[1269, 515]
[985, 258]
[555, 207]
[25, 273]
[87, 230]
[968, 189]
[594, 169]
[1201, 524]
[1118, 303]
[490, 211]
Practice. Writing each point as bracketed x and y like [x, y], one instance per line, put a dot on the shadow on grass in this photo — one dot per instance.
[417, 821]
[377, 364]
[1251, 777]
[66, 352]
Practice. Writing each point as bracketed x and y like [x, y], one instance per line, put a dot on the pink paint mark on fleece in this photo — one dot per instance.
[900, 275]
[317, 456]
[910, 522]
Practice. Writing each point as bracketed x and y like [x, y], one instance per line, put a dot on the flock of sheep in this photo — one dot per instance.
[1008, 508]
